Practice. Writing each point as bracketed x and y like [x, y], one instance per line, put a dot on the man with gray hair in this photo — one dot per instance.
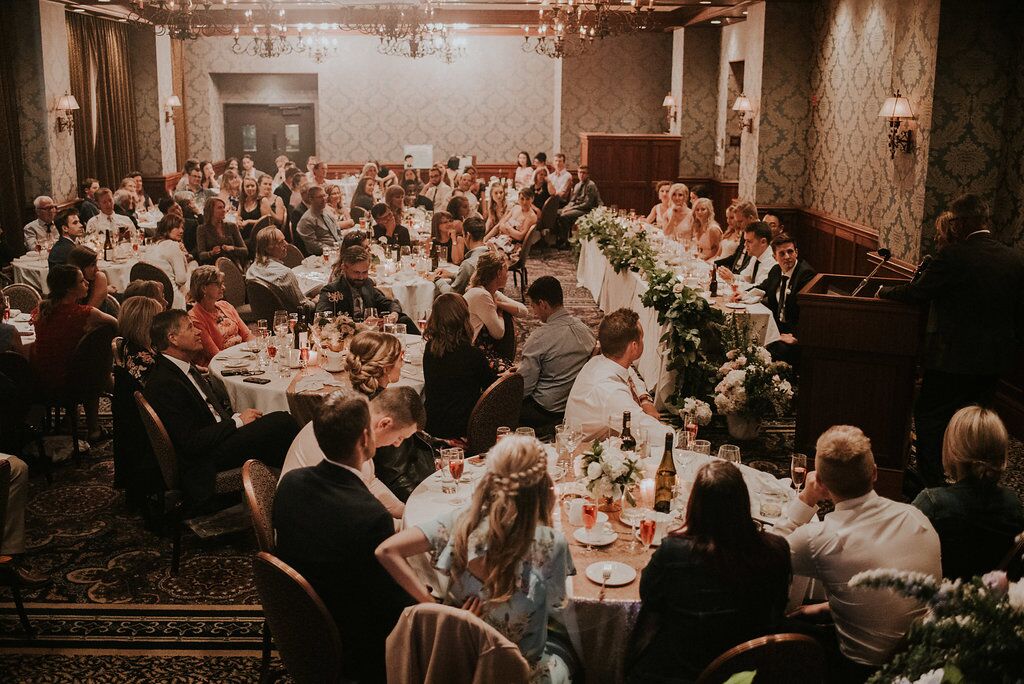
[107, 219]
[864, 532]
[42, 228]
[124, 204]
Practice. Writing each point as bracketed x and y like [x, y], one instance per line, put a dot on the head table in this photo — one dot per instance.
[598, 628]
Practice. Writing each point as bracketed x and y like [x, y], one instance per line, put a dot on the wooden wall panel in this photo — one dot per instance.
[625, 167]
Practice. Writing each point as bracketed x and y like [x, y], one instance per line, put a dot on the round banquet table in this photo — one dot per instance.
[32, 270]
[299, 391]
[598, 628]
[22, 322]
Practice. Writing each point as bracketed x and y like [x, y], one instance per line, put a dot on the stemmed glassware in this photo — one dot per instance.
[729, 452]
[798, 471]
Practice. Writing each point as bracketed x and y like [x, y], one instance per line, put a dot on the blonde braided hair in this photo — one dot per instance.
[371, 356]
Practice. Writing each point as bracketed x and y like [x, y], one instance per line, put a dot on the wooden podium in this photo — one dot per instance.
[858, 365]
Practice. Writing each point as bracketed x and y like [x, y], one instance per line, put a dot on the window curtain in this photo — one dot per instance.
[12, 183]
[100, 64]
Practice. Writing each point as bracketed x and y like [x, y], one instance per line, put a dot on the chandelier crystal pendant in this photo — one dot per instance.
[566, 28]
[269, 36]
[181, 19]
[314, 42]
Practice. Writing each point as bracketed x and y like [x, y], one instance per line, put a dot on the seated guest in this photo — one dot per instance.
[269, 269]
[250, 207]
[679, 215]
[524, 172]
[713, 584]
[208, 438]
[362, 197]
[249, 169]
[464, 188]
[444, 235]
[541, 188]
[744, 214]
[459, 209]
[775, 224]
[108, 220]
[217, 322]
[61, 321]
[518, 221]
[394, 197]
[281, 163]
[353, 292]
[10, 338]
[124, 205]
[385, 225]
[316, 228]
[386, 177]
[474, 232]
[231, 189]
[42, 228]
[146, 288]
[133, 325]
[208, 175]
[977, 518]
[455, 373]
[411, 182]
[864, 532]
[553, 355]
[84, 259]
[12, 536]
[395, 414]
[270, 204]
[582, 200]
[355, 238]
[216, 238]
[436, 192]
[328, 526]
[170, 256]
[787, 277]
[607, 385]
[289, 194]
[706, 230]
[756, 246]
[503, 555]
[143, 202]
[184, 182]
[495, 206]
[451, 171]
[184, 204]
[319, 173]
[71, 230]
[488, 306]
[374, 361]
[335, 207]
[87, 209]
[660, 211]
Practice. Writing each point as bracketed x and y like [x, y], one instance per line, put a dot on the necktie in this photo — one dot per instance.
[782, 299]
[208, 393]
[632, 388]
[753, 275]
[741, 260]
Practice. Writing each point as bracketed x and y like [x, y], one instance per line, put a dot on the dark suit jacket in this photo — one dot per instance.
[801, 275]
[193, 430]
[401, 234]
[60, 250]
[86, 210]
[976, 292]
[735, 261]
[122, 212]
[370, 294]
[328, 527]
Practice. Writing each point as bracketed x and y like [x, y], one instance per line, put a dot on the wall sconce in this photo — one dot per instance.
[742, 105]
[897, 110]
[669, 103]
[172, 101]
[68, 104]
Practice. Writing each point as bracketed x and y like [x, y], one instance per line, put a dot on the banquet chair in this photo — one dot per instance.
[437, 644]
[22, 297]
[778, 659]
[17, 383]
[260, 484]
[293, 257]
[234, 288]
[7, 575]
[549, 219]
[498, 406]
[226, 481]
[111, 306]
[308, 640]
[263, 301]
[518, 269]
[143, 271]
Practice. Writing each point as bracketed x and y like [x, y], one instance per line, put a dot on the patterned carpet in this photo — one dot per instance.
[113, 597]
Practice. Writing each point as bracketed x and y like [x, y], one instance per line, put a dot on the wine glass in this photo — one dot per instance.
[589, 519]
[281, 322]
[457, 464]
[632, 512]
[729, 452]
[798, 471]
[572, 436]
[647, 529]
[502, 432]
[701, 446]
[643, 442]
[526, 431]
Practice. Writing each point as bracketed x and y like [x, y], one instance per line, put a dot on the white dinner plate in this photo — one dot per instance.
[621, 573]
[599, 538]
[23, 318]
[735, 305]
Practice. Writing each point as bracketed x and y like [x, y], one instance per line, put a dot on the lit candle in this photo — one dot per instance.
[647, 493]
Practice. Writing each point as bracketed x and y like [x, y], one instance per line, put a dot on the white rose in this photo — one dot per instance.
[1015, 595]
[677, 288]
[594, 470]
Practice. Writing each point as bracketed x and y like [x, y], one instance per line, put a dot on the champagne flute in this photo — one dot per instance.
[798, 471]
[632, 513]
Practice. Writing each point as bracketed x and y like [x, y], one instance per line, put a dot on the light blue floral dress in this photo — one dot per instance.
[541, 592]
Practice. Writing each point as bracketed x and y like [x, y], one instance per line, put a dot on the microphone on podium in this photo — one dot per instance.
[886, 254]
[921, 268]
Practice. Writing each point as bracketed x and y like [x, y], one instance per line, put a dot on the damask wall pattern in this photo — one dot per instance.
[493, 102]
[57, 81]
[34, 117]
[699, 102]
[861, 50]
[149, 119]
[617, 87]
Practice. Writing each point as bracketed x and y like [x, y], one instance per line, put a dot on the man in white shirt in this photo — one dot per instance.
[107, 219]
[756, 242]
[42, 228]
[319, 174]
[249, 169]
[436, 191]
[561, 178]
[864, 532]
[269, 268]
[607, 385]
[316, 227]
[191, 176]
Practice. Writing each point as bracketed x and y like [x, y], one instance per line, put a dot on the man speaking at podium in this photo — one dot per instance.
[975, 288]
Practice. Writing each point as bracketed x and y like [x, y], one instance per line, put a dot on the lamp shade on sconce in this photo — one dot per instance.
[669, 101]
[742, 104]
[896, 107]
[67, 103]
[173, 101]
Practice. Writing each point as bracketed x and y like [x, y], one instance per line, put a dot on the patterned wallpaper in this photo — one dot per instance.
[63, 174]
[862, 48]
[699, 103]
[977, 142]
[148, 110]
[494, 101]
[618, 87]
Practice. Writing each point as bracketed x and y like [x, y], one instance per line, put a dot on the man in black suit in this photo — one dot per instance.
[974, 288]
[745, 215]
[328, 527]
[70, 227]
[207, 437]
[785, 279]
[353, 293]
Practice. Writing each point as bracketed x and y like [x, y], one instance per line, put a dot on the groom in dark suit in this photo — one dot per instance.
[207, 436]
[354, 292]
[328, 527]
[785, 279]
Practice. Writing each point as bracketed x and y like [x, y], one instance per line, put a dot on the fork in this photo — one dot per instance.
[606, 574]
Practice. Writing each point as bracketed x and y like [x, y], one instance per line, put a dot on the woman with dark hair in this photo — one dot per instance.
[386, 177]
[411, 183]
[444, 232]
[455, 373]
[61, 321]
[249, 207]
[524, 172]
[216, 238]
[713, 584]
[170, 256]
[84, 259]
[541, 188]
[363, 195]
[230, 165]
[209, 181]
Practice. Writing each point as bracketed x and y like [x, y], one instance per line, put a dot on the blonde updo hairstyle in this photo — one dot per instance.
[515, 495]
[371, 356]
[974, 445]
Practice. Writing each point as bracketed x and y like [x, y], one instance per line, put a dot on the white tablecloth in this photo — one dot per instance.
[413, 293]
[273, 395]
[32, 270]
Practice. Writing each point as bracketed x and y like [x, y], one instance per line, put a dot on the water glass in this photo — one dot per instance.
[771, 504]
[729, 452]
[701, 446]
[400, 329]
[502, 432]
[389, 328]
[526, 431]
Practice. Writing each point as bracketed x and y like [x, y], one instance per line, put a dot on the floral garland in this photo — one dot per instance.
[623, 244]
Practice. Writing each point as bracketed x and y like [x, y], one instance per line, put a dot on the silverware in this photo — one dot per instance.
[606, 574]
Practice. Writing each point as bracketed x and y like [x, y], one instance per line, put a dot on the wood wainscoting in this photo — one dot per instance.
[721, 192]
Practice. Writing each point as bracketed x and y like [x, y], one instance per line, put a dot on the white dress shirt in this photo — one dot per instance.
[101, 223]
[185, 366]
[37, 231]
[602, 389]
[560, 179]
[305, 452]
[438, 194]
[757, 269]
[865, 533]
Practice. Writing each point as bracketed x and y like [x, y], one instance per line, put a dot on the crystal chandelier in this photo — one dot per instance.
[316, 44]
[566, 28]
[424, 41]
[269, 38]
[180, 19]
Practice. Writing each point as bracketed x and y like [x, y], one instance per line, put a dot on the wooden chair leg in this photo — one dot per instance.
[266, 675]
[26, 626]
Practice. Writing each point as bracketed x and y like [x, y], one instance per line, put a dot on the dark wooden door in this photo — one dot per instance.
[266, 131]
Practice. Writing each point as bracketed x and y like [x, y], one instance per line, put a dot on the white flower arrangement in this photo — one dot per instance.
[606, 471]
[699, 410]
[752, 384]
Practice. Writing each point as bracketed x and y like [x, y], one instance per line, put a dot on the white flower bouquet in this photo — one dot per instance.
[699, 410]
[752, 384]
[606, 471]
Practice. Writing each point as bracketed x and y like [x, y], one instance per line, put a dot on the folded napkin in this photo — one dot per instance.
[23, 318]
[317, 381]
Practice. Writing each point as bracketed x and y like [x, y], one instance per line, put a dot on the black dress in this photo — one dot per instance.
[540, 196]
[452, 385]
[253, 215]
